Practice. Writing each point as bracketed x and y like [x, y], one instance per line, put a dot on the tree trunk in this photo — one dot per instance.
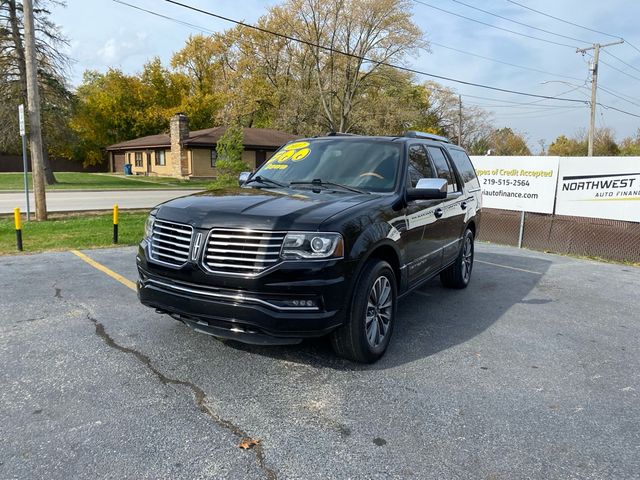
[33, 97]
[49, 177]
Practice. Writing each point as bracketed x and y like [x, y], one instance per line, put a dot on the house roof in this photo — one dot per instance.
[253, 137]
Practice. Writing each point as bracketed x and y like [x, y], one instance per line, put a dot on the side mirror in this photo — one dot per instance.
[243, 177]
[428, 189]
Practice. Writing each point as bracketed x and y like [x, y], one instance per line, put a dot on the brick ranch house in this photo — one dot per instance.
[185, 154]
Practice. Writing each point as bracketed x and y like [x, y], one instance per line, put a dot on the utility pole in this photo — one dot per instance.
[33, 101]
[594, 86]
[459, 120]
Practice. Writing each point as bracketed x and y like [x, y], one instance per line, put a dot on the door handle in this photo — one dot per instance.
[438, 212]
[463, 205]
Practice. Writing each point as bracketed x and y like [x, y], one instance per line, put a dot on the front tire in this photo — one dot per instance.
[458, 275]
[365, 335]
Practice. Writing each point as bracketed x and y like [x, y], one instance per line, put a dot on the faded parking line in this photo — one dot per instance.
[116, 276]
[509, 267]
[128, 283]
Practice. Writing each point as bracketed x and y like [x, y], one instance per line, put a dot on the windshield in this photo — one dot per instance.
[360, 163]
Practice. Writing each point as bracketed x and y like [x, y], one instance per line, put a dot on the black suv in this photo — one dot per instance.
[323, 239]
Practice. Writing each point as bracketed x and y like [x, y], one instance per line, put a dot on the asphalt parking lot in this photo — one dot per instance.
[532, 372]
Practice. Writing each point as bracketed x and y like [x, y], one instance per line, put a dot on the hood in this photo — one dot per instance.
[270, 209]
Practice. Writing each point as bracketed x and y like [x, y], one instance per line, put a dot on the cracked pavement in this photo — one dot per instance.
[532, 372]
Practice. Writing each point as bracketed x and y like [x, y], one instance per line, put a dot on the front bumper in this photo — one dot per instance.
[251, 310]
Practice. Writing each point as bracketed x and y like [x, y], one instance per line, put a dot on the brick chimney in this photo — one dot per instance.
[178, 133]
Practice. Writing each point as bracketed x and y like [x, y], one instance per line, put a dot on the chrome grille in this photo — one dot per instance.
[170, 242]
[242, 252]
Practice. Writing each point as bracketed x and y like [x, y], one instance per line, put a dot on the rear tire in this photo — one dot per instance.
[366, 333]
[458, 275]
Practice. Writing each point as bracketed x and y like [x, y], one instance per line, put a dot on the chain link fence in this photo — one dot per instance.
[594, 237]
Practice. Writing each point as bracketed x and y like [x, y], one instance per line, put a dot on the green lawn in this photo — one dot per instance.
[73, 180]
[72, 232]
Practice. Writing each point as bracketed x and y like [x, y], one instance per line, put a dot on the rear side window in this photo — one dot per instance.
[442, 168]
[419, 166]
[465, 168]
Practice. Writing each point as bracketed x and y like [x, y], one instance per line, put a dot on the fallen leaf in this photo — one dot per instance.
[248, 443]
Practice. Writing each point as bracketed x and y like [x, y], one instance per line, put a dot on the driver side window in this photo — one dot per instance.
[419, 165]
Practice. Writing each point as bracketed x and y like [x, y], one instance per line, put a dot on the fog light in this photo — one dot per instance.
[301, 303]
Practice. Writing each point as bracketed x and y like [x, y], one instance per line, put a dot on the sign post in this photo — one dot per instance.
[25, 167]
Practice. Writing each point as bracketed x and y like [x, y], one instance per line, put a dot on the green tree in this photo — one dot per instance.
[230, 147]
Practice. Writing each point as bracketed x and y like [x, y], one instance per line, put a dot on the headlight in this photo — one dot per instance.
[303, 245]
[148, 226]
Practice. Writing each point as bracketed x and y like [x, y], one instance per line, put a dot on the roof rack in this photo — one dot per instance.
[429, 136]
[340, 134]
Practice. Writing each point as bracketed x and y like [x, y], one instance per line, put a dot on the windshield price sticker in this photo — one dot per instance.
[294, 151]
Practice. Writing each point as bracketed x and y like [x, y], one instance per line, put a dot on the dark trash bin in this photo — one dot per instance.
[127, 169]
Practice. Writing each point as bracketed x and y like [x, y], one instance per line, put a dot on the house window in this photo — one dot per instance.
[214, 158]
[138, 159]
[160, 158]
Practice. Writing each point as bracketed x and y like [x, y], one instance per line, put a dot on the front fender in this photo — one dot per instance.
[373, 237]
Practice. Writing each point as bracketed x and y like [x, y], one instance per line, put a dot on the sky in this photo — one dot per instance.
[103, 34]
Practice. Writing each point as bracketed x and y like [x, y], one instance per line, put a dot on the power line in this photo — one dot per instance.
[520, 23]
[575, 24]
[524, 106]
[562, 20]
[203, 29]
[618, 96]
[619, 70]
[352, 55]
[610, 90]
[530, 115]
[166, 17]
[494, 26]
[365, 59]
[503, 62]
[511, 102]
[609, 107]
[622, 61]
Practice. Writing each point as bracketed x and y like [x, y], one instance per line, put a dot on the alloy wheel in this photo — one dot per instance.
[467, 258]
[379, 311]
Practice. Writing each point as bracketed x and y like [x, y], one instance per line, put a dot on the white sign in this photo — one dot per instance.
[21, 119]
[600, 187]
[518, 183]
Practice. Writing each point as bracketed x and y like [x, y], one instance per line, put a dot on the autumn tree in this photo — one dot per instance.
[604, 144]
[207, 64]
[55, 96]
[442, 116]
[337, 37]
[504, 141]
[568, 147]
[630, 146]
[112, 107]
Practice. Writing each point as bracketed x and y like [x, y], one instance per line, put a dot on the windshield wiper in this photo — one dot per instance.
[316, 182]
[264, 180]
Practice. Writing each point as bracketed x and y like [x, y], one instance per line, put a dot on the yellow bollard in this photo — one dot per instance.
[115, 223]
[18, 224]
